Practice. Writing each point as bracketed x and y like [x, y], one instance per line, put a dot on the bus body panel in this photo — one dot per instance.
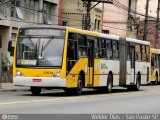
[155, 65]
[142, 68]
[44, 77]
[107, 66]
[39, 81]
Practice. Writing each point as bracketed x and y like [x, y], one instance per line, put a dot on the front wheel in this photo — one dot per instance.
[79, 88]
[35, 90]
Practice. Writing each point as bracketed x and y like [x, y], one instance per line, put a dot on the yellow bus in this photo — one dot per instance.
[73, 59]
[155, 65]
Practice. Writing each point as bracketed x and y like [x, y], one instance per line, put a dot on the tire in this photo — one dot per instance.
[109, 84]
[156, 80]
[79, 89]
[137, 86]
[35, 90]
[76, 91]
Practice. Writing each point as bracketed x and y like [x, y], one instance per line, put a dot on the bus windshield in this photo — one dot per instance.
[40, 51]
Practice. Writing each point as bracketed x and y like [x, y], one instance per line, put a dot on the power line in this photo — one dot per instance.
[2, 3]
[120, 5]
[57, 16]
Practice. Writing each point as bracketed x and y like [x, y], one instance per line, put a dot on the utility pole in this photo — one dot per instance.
[0, 61]
[129, 8]
[146, 22]
[40, 14]
[89, 7]
[157, 26]
[129, 21]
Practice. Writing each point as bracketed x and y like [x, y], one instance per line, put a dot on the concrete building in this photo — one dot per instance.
[15, 13]
[115, 18]
[74, 14]
[151, 29]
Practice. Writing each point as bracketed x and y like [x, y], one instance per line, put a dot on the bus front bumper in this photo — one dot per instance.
[39, 81]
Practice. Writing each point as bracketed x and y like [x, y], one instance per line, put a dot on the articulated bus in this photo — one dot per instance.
[73, 59]
[155, 66]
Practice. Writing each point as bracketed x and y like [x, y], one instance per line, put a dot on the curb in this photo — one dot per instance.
[13, 90]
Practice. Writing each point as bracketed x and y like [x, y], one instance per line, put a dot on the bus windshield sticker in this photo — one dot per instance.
[28, 62]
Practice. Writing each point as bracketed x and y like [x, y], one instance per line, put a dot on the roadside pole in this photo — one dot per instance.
[0, 64]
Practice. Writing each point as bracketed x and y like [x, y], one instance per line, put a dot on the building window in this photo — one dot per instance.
[48, 8]
[95, 24]
[98, 26]
[105, 31]
[64, 23]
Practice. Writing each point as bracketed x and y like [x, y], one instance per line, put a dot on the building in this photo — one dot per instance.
[151, 28]
[74, 15]
[116, 18]
[15, 13]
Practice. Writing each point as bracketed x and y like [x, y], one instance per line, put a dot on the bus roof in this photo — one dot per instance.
[92, 33]
[137, 41]
[153, 50]
[43, 26]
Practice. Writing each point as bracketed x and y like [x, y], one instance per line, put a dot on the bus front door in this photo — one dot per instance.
[132, 64]
[90, 62]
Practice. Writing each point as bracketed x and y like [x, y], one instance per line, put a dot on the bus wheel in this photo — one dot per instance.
[109, 83]
[156, 80]
[35, 90]
[79, 86]
[137, 86]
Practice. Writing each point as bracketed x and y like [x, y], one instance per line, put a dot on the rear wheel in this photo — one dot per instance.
[156, 80]
[109, 83]
[135, 87]
[35, 90]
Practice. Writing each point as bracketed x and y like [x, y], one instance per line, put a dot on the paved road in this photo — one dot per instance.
[147, 100]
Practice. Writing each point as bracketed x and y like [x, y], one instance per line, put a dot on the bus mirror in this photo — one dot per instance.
[0, 42]
[10, 47]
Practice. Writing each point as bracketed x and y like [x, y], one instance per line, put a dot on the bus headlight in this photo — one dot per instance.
[56, 74]
[19, 74]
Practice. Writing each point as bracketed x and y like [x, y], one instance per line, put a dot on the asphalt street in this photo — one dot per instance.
[58, 102]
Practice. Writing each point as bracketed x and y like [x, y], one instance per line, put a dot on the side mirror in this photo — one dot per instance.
[0, 42]
[10, 47]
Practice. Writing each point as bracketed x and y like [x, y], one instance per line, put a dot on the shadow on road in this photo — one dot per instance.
[61, 93]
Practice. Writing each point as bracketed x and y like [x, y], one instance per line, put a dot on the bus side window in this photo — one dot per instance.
[97, 48]
[72, 46]
[71, 51]
[138, 52]
[115, 50]
[103, 48]
[152, 60]
[109, 49]
[148, 53]
[128, 52]
[143, 53]
[82, 45]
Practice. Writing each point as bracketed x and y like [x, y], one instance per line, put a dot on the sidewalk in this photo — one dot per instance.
[11, 87]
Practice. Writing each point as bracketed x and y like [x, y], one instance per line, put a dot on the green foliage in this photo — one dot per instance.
[6, 64]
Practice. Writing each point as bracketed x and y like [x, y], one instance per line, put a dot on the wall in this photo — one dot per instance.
[74, 14]
[141, 7]
[115, 19]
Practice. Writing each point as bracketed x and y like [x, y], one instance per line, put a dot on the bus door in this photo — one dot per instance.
[132, 52]
[90, 61]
